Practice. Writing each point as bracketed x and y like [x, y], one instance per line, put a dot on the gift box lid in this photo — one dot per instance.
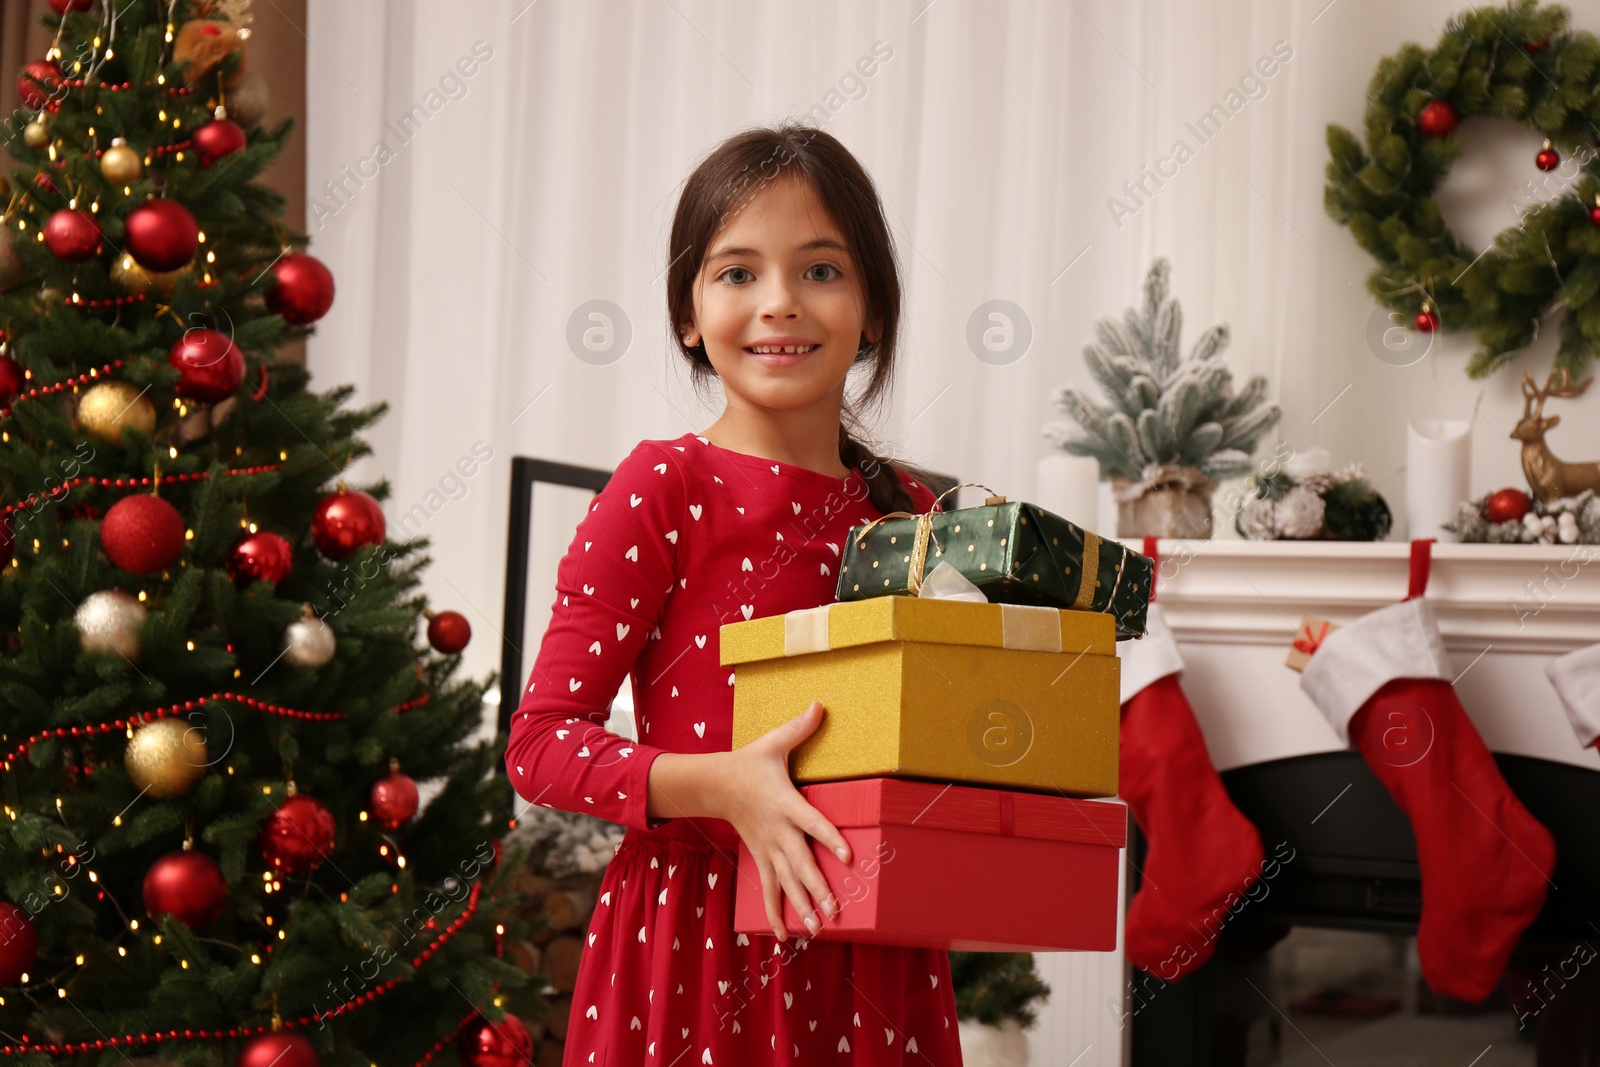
[910, 618]
[970, 809]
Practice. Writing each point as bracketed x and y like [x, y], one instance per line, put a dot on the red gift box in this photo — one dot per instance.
[958, 867]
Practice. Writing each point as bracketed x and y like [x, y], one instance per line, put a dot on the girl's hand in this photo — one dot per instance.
[756, 795]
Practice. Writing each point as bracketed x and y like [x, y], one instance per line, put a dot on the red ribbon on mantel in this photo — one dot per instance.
[1308, 642]
[1421, 564]
[1152, 548]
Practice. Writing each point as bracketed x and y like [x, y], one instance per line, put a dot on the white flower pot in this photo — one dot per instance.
[993, 1046]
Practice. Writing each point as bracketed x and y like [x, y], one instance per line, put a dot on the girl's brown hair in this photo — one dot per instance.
[723, 183]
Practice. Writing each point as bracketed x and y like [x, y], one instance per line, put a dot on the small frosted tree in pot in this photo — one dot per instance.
[1173, 427]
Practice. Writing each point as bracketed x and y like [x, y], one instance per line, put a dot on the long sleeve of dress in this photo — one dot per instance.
[611, 589]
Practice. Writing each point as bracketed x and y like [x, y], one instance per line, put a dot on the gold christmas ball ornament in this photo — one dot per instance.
[36, 134]
[120, 164]
[128, 276]
[167, 757]
[109, 623]
[106, 407]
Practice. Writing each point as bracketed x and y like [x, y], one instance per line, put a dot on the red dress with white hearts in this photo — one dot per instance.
[685, 537]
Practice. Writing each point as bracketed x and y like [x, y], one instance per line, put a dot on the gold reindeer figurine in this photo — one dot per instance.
[1548, 477]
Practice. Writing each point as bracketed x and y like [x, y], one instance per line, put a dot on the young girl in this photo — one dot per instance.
[782, 279]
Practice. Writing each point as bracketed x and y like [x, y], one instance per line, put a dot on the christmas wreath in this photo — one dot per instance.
[1519, 62]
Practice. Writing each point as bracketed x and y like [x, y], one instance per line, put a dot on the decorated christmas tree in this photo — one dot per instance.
[215, 704]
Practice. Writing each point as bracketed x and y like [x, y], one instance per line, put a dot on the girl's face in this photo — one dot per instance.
[779, 275]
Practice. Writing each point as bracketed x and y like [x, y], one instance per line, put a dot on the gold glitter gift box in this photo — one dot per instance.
[1019, 696]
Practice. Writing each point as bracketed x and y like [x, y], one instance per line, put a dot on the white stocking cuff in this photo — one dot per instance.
[1355, 661]
[1576, 677]
[1148, 658]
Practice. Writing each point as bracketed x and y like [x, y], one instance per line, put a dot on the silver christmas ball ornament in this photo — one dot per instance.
[109, 623]
[309, 641]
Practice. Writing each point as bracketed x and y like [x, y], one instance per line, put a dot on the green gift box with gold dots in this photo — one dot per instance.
[1013, 551]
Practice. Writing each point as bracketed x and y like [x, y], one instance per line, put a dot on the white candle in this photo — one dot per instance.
[1069, 486]
[1438, 466]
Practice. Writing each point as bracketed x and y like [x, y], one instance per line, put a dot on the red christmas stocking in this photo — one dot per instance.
[1384, 684]
[1203, 853]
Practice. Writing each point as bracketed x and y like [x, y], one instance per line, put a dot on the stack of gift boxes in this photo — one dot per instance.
[972, 717]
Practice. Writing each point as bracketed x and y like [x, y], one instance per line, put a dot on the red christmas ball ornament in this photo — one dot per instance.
[1438, 118]
[61, 7]
[188, 886]
[162, 235]
[298, 836]
[448, 631]
[302, 291]
[1548, 158]
[210, 364]
[72, 234]
[1427, 319]
[261, 556]
[1508, 505]
[142, 534]
[1533, 48]
[278, 1048]
[506, 1043]
[42, 180]
[1594, 212]
[13, 379]
[218, 138]
[394, 799]
[37, 82]
[345, 520]
[19, 948]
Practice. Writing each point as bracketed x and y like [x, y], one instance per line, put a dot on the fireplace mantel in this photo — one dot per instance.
[1504, 610]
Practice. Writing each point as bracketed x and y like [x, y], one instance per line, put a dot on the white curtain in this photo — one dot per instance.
[1001, 136]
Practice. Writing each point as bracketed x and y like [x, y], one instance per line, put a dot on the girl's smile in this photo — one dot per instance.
[783, 351]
